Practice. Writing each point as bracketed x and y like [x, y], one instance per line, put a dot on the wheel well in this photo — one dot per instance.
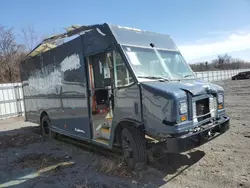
[42, 115]
[122, 125]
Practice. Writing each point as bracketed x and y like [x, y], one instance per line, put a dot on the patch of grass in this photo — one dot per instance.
[116, 167]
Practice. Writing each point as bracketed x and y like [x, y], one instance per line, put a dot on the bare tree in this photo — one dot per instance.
[30, 37]
[222, 62]
[10, 54]
[56, 42]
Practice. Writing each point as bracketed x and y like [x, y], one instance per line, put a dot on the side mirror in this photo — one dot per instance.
[107, 82]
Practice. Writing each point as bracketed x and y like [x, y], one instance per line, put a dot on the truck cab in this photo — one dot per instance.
[122, 87]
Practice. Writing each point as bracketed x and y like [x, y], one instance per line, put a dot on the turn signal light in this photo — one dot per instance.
[220, 106]
[183, 118]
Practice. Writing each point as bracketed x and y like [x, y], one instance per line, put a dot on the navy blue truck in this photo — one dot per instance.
[117, 86]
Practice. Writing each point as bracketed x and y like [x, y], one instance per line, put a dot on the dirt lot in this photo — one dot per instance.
[27, 160]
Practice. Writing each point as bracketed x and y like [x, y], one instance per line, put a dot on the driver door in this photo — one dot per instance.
[126, 92]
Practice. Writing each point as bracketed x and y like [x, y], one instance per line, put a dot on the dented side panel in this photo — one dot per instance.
[156, 109]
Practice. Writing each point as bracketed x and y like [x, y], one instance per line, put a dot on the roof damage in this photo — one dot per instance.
[48, 43]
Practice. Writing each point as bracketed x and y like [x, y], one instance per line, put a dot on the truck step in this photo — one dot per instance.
[102, 140]
[103, 132]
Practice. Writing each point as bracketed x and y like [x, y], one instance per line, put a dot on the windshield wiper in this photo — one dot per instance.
[189, 75]
[154, 78]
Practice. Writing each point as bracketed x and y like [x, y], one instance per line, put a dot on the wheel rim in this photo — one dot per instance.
[127, 149]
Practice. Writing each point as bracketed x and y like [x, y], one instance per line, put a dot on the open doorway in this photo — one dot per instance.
[100, 79]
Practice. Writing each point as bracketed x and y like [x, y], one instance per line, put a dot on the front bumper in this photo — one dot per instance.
[195, 138]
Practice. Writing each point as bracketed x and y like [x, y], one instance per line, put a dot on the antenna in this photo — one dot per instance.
[152, 45]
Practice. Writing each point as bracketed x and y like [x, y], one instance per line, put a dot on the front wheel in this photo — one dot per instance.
[134, 147]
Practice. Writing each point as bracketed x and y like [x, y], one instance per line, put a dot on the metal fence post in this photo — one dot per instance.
[3, 102]
[17, 97]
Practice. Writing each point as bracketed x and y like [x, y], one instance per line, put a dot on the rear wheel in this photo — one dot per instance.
[134, 147]
[46, 127]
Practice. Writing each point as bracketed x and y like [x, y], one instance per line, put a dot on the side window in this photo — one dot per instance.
[122, 75]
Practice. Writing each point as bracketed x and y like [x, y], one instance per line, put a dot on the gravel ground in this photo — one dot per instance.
[27, 160]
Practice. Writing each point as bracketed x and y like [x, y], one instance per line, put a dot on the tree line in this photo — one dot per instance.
[11, 54]
[222, 62]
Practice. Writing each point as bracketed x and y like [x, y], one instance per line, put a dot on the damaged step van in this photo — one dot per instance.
[121, 87]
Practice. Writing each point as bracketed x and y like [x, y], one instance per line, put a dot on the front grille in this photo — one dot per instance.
[202, 109]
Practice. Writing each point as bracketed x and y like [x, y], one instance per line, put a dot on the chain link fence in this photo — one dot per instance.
[218, 75]
[11, 100]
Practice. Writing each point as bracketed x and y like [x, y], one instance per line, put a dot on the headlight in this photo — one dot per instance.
[220, 98]
[183, 107]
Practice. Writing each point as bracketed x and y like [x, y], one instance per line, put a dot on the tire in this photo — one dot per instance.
[46, 128]
[134, 147]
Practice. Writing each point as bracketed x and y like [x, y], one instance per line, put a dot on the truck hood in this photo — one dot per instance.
[195, 87]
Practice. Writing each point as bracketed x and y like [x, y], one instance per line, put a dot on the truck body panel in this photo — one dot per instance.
[55, 83]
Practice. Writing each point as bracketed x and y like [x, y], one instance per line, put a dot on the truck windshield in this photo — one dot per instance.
[152, 63]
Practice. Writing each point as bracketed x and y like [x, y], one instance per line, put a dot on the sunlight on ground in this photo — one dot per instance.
[33, 175]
